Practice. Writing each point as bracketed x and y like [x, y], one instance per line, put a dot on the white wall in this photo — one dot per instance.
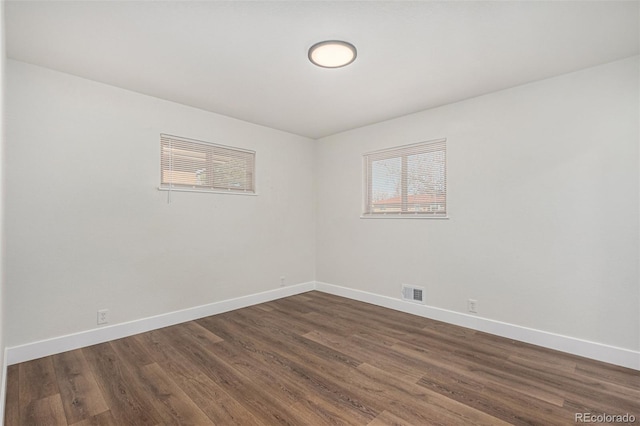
[543, 204]
[88, 229]
[543, 196]
[2, 204]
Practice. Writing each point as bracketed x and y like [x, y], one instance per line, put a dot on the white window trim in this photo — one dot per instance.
[365, 188]
[172, 188]
[403, 216]
[206, 191]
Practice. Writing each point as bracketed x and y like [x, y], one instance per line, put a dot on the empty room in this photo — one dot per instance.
[320, 212]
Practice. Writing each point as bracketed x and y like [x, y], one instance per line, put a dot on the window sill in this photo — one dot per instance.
[402, 216]
[207, 191]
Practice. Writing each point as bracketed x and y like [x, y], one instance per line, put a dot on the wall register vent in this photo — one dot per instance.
[412, 293]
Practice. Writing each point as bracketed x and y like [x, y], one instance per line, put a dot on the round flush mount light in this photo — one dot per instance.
[332, 54]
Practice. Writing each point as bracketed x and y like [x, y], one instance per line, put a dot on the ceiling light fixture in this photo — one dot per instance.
[332, 53]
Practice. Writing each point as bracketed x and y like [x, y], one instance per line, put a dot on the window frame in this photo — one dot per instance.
[402, 152]
[207, 189]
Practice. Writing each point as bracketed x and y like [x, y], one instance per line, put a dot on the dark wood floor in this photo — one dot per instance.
[315, 359]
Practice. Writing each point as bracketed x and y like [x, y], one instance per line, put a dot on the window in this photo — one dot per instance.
[407, 181]
[188, 164]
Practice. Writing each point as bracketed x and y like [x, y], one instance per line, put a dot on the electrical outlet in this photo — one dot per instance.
[282, 278]
[103, 316]
[472, 306]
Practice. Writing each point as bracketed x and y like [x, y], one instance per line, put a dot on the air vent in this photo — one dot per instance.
[412, 293]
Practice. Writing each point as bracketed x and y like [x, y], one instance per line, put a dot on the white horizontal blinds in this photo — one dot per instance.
[407, 180]
[386, 185]
[191, 164]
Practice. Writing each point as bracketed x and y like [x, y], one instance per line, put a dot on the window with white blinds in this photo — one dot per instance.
[188, 164]
[407, 181]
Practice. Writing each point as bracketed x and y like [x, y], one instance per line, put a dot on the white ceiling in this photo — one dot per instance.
[248, 60]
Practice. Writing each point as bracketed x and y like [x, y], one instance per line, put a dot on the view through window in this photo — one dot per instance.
[195, 165]
[407, 180]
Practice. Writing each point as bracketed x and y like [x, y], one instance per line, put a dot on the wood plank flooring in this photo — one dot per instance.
[315, 359]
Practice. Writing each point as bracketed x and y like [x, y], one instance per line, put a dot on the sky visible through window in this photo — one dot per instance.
[386, 176]
[425, 174]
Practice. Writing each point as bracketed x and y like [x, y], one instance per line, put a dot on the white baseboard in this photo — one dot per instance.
[614, 355]
[27, 352]
[611, 354]
[3, 389]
